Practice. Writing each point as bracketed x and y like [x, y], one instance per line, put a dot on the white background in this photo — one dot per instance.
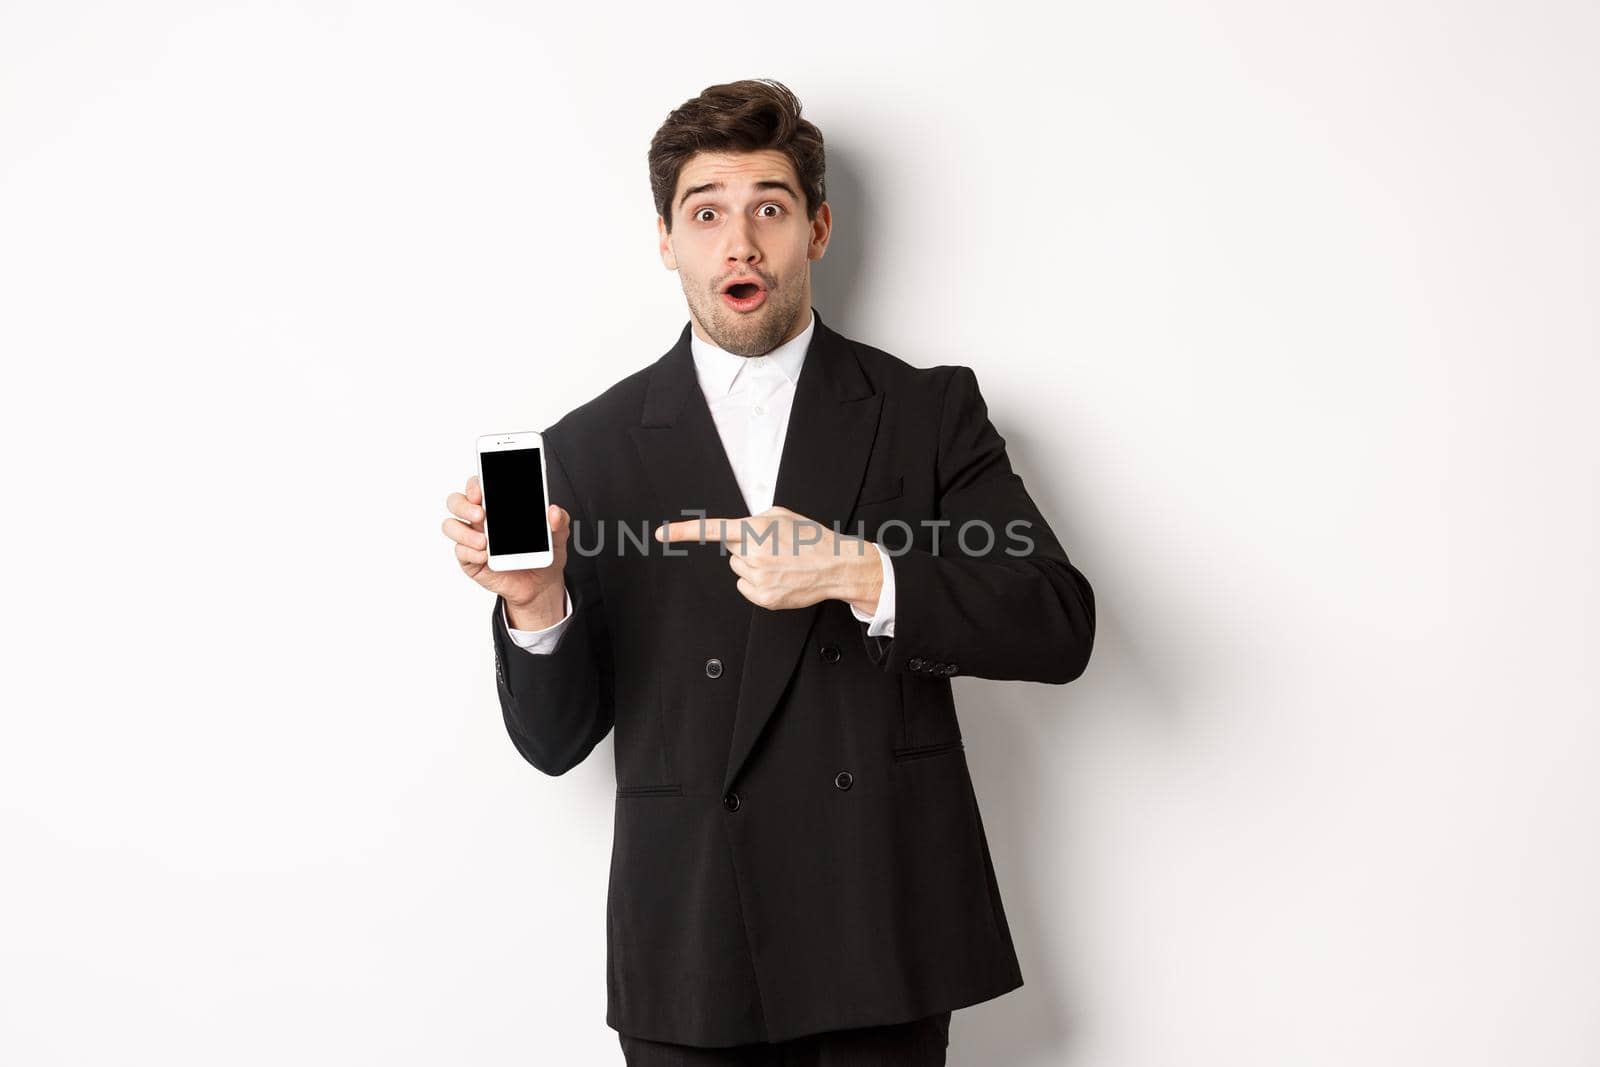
[1287, 313]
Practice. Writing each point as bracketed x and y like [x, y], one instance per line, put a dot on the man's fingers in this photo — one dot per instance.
[756, 595]
[474, 490]
[463, 509]
[729, 531]
[469, 519]
[462, 534]
[473, 537]
[706, 529]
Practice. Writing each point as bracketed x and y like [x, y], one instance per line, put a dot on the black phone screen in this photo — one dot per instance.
[514, 505]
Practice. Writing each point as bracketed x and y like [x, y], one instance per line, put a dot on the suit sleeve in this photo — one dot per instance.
[1006, 606]
[559, 704]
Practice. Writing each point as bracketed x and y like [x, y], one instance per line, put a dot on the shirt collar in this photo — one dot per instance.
[717, 368]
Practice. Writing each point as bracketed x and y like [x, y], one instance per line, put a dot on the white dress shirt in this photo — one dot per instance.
[749, 398]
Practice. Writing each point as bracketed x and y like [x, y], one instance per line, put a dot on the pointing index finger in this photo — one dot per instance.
[699, 529]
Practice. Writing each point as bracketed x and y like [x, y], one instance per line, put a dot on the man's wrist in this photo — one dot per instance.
[542, 612]
[864, 579]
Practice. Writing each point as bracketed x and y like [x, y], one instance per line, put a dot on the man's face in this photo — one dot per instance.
[741, 215]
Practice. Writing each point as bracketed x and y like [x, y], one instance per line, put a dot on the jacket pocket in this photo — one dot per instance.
[920, 751]
[881, 490]
[650, 791]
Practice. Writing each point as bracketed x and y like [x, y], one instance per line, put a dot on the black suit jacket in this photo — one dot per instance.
[797, 845]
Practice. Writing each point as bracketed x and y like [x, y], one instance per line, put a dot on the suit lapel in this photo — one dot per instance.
[682, 454]
[832, 423]
[831, 426]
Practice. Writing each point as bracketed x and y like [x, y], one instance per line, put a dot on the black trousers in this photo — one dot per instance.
[920, 1043]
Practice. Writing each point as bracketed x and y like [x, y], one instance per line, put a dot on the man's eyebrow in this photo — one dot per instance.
[712, 187]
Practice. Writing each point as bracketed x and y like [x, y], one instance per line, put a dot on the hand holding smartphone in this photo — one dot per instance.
[516, 547]
[515, 500]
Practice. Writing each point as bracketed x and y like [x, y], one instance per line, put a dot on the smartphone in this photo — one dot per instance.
[516, 499]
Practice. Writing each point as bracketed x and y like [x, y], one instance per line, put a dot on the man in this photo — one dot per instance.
[799, 871]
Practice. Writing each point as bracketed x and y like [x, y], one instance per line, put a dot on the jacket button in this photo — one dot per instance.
[844, 779]
[731, 801]
[830, 653]
[949, 668]
[915, 663]
[713, 668]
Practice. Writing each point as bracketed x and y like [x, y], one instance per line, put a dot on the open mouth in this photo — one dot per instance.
[744, 296]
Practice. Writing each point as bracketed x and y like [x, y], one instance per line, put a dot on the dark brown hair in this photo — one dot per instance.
[741, 116]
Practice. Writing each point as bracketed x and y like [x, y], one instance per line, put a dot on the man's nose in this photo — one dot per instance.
[742, 245]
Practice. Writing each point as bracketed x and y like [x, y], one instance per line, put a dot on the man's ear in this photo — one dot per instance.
[821, 230]
[668, 257]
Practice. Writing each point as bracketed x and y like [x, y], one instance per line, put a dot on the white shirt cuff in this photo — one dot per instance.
[540, 641]
[881, 622]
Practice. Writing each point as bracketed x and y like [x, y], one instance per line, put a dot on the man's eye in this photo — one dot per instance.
[699, 215]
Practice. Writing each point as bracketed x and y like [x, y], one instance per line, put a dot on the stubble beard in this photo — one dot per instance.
[754, 334]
